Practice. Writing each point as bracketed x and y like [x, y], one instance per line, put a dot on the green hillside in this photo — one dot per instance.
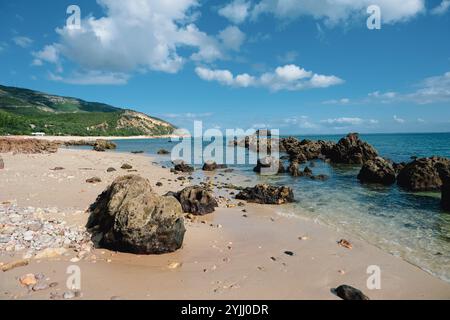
[24, 111]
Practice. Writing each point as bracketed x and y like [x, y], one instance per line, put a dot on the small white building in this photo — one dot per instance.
[38, 134]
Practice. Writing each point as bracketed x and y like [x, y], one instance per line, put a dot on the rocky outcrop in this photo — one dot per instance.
[2, 164]
[351, 150]
[196, 200]
[377, 170]
[269, 165]
[212, 166]
[103, 145]
[346, 292]
[181, 166]
[305, 150]
[444, 173]
[266, 194]
[128, 216]
[399, 167]
[27, 146]
[261, 140]
[422, 174]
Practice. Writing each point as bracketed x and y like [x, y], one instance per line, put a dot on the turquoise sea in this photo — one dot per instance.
[409, 225]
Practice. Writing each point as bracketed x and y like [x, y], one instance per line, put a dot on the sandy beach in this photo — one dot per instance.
[229, 254]
[93, 138]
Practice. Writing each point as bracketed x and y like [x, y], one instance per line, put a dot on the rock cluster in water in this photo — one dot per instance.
[351, 150]
[422, 174]
[128, 216]
[378, 170]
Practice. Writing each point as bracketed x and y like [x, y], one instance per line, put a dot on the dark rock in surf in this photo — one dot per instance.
[294, 169]
[351, 150]
[269, 165]
[444, 173]
[377, 170]
[422, 174]
[163, 152]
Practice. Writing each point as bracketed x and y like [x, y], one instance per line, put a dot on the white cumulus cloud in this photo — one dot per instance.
[232, 37]
[442, 8]
[339, 11]
[288, 77]
[236, 11]
[139, 36]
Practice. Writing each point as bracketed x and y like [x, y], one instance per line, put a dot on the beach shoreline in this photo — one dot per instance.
[93, 138]
[226, 255]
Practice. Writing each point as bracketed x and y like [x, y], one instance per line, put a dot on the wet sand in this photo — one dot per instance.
[226, 255]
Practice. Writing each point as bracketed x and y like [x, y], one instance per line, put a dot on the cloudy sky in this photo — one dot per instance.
[303, 66]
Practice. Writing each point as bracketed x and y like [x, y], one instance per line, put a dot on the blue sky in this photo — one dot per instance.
[298, 65]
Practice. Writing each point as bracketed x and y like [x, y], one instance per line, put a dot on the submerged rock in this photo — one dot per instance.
[128, 216]
[163, 152]
[422, 174]
[196, 200]
[346, 292]
[377, 170]
[269, 165]
[320, 177]
[266, 194]
[351, 150]
[307, 172]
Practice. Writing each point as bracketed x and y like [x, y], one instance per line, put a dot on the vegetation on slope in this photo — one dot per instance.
[24, 111]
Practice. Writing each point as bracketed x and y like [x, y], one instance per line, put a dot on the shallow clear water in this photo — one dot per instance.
[409, 225]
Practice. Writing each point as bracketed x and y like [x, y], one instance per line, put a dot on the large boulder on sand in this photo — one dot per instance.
[422, 174]
[266, 194]
[128, 216]
[351, 150]
[196, 200]
[378, 170]
[269, 165]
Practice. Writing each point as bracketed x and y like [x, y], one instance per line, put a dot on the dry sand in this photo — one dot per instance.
[225, 255]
